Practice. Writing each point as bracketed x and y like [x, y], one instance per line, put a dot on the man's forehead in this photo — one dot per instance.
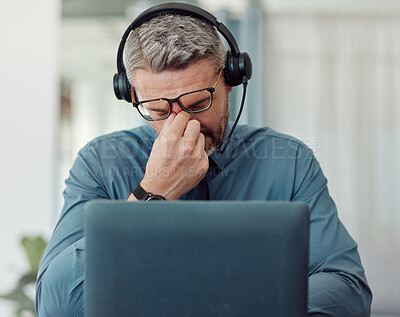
[175, 82]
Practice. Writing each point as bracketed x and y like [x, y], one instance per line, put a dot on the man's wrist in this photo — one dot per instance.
[142, 195]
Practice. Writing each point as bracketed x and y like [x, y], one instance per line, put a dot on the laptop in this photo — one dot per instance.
[196, 259]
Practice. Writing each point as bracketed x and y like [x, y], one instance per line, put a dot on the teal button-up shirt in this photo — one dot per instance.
[259, 164]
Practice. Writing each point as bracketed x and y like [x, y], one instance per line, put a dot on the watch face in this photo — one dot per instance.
[155, 197]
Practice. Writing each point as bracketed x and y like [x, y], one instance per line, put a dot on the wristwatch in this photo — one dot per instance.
[141, 194]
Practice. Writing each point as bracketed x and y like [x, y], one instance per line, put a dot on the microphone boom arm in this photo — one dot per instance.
[224, 144]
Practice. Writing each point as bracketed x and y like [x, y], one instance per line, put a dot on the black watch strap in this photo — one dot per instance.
[141, 194]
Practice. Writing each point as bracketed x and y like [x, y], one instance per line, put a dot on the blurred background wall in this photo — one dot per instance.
[327, 72]
[29, 99]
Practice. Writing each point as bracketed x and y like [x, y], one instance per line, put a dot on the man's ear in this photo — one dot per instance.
[229, 89]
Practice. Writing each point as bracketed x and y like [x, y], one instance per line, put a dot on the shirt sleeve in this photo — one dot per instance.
[59, 287]
[337, 283]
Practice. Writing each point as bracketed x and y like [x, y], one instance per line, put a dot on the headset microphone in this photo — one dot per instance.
[238, 67]
[225, 142]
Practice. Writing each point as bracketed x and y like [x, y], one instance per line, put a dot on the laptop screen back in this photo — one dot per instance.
[196, 259]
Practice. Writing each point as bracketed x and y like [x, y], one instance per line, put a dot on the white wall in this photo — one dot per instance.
[330, 6]
[336, 78]
[29, 106]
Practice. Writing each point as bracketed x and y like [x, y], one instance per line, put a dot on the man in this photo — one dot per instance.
[174, 64]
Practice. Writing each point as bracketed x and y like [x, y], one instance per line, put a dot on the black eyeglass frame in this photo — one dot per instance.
[211, 90]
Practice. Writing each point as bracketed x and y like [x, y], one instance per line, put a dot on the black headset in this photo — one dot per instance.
[238, 67]
[237, 70]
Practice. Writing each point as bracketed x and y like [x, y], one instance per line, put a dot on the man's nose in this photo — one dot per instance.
[176, 107]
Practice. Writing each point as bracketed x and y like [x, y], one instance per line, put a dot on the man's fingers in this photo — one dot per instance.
[200, 144]
[167, 123]
[177, 127]
[201, 141]
[192, 131]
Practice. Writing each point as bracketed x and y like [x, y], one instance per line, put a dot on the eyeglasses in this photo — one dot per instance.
[191, 102]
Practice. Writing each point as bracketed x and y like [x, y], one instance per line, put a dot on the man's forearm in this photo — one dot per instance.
[337, 295]
[60, 287]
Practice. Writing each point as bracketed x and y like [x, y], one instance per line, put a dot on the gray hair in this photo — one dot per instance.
[172, 42]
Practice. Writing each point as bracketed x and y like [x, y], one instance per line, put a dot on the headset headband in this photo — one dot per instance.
[178, 8]
[237, 69]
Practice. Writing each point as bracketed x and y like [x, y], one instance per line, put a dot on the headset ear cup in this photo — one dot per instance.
[127, 91]
[122, 87]
[232, 72]
[245, 65]
[229, 71]
[236, 68]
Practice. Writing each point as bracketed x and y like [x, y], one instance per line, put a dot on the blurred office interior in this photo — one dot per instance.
[326, 72]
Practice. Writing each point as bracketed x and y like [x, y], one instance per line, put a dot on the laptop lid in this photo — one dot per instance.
[191, 258]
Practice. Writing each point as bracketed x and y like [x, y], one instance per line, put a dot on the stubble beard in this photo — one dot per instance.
[217, 135]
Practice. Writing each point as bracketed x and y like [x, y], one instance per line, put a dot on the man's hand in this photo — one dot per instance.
[178, 161]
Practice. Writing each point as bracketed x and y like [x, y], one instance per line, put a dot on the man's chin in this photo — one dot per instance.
[208, 147]
[213, 139]
[211, 150]
[211, 145]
